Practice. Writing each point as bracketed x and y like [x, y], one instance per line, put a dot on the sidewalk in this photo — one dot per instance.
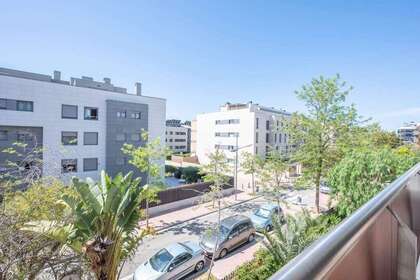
[170, 219]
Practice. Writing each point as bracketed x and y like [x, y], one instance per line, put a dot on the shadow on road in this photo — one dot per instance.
[191, 228]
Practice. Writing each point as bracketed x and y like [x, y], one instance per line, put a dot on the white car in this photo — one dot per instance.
[324, 189]
[172, 262]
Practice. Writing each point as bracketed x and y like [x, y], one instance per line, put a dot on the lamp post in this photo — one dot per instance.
[235, 178]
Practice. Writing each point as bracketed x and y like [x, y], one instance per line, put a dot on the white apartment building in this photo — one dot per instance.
[178, 136]
[81, 124]
[258, 129]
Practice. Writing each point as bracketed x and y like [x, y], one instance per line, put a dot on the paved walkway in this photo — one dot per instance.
[172, 218]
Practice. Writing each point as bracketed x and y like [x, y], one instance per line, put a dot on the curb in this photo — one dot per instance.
[205, 214]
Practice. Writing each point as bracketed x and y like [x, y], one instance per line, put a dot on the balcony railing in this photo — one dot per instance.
[378, 241]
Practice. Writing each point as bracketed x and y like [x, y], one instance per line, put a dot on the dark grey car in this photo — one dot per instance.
[234, 231]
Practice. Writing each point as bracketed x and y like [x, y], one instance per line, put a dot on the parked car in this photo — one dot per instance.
[172, 262]
[234, 231]
[262, 218]
[324, 189]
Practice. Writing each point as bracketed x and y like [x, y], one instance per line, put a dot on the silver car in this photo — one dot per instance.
[234, 231]
[172, 262]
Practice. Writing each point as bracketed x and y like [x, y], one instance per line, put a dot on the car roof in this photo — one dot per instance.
[231, 221]
[175, 249]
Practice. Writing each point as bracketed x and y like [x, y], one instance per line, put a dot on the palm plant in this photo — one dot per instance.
[288, 241]
[104, 227]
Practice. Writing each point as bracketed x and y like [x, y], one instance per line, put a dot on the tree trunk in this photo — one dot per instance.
[217, 240]
[146, 213]
[253, 183]
[318, 183]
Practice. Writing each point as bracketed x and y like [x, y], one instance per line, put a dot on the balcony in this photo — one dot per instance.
[378, 241]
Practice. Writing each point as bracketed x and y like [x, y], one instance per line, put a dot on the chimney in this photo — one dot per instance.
[107, 81]
[57, 75]
[137, 88]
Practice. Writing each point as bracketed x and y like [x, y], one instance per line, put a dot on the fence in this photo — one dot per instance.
[184, 192]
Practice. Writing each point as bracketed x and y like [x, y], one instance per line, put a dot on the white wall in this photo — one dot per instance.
[48, 98]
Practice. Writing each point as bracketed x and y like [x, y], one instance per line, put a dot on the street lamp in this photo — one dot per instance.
[236, 163]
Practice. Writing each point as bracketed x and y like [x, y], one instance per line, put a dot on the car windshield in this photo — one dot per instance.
[224, 230]
[261, 212]
[160, 260]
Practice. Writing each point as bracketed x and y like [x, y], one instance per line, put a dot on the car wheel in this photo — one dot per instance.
[268, 228]
[199, 266]
[223, 253]
[251, 238]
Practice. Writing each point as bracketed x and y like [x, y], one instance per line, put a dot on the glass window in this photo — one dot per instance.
[120, 137]
[27, 106]
[267, 137]
[136, 115]
[91, 113]
[3, 103]
[181, 259]
[256, 137]
[90, 164]
[258, 123]
[69, 138]
[4, 136]
[68, 165]
[90, 138]
[122, 115]
[69, 111]
[267, 125]
[23, 136]
[160, 260]
[135, 136]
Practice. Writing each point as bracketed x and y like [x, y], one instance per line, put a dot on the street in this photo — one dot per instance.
[191, 230]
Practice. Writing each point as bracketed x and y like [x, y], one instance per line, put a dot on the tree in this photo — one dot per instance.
[327, 122]
[215, 173]
[29, 254]
[273, 177]
[104, 224]
[147, 159]
[362, 173]
[251, 164]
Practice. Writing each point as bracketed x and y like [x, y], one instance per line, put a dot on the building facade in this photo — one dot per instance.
[409, 133]
[81, 124]
[252, 128]
[178, 136]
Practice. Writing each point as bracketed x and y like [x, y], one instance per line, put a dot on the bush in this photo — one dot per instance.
[261, 267]
[178, 173]
[170, 169]
[191, 174]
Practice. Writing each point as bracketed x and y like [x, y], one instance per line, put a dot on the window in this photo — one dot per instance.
[90, 138]
[120, 137]
[180, 140]
[226, 134]
[256, 137]
[224, 147]
[171, 133]
[23, 136]
[4, 135]
[136, 115]
[258, 123]
[267, 125]
[68, 111]
[243, 227]
[231, 121]
[280, 137]
[90, 164]
[180, 133]
[68, 165]
[91, 113]
[3, 103]
[27, 106]
[69, 138]
[275, 137]
[180, 260]
[171, 140]
[135, 136]
[267, 137]
[122, 115]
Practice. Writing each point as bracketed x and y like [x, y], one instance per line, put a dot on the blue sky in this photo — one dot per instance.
[200, 54]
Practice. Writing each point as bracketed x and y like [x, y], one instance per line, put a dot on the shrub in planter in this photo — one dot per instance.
[191, 174]
[170, 169]
[178, 173]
